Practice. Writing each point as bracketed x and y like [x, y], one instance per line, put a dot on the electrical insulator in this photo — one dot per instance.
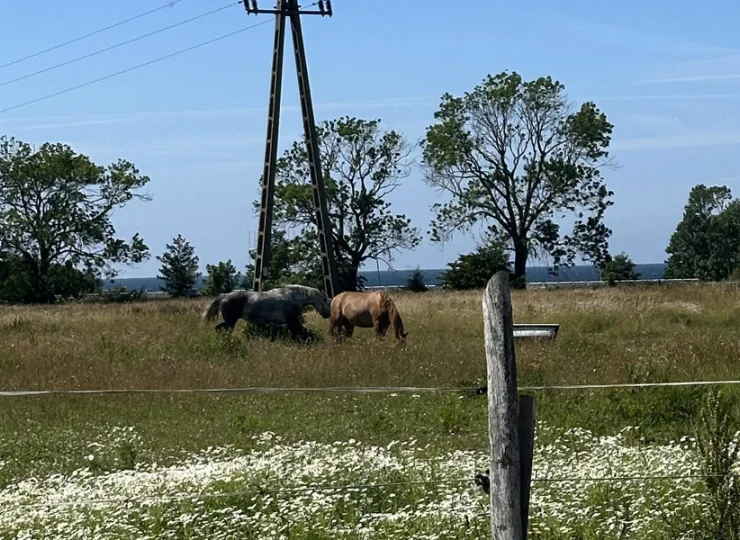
[321, 6]
[328, 7]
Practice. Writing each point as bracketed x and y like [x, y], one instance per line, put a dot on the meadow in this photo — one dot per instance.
[270, 465]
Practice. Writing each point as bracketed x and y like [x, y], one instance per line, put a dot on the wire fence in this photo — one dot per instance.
[357, 389]
[266, 490]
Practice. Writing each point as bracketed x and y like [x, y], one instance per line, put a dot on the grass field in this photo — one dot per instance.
[249, 456]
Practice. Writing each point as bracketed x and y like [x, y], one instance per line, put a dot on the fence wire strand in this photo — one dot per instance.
[354, 389]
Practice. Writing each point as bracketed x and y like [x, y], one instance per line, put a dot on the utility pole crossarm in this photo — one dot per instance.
[324, 9]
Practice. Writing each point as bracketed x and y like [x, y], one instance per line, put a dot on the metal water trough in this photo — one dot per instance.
[549, 331]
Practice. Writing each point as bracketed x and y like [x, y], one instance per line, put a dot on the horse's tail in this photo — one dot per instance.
[211, 312]
[393, 313]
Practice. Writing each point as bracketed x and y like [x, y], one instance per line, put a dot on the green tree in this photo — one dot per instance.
[706, 242]
[474, 270]
[618, 268]
[515, 156]
[222, 278]
[55, 217]
[290, 262]
[362, 165]
[416, 282]
[179, 268]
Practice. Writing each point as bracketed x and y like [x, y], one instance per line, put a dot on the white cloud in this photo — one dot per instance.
[190, 146]
[207, 168]
[655, 122]
[718, 68]
[30, 123]
[667, 97]
[693, 78]
[690, 140]
[632, 39]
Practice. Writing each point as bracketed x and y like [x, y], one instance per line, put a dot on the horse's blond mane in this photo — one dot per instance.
[393, 313]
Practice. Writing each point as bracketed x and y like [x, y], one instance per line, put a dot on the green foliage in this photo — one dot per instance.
[513, 155]
[416, 281]
[179, 268]
[289, 263]
[222, 278]
[474, 270]
[720, 453]
[706, 243]
[123, 295]
[618, 268]
[20, 283]
[56, 233]
[361, 166]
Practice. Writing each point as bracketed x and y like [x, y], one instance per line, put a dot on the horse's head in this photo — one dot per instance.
[320, 302]
[402, 337]
[323, 305]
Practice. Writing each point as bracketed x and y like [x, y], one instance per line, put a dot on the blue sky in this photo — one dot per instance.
[666, 74]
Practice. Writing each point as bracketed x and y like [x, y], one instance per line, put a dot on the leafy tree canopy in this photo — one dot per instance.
[179, 268]
[706, 243]
[222, 278]
[619, 268]
[55, 216]
[362, 165]
[19, 282]
[416, 282]
[292, 261]
[517, 157]
[474, 270]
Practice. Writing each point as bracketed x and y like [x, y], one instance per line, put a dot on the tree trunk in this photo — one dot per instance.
[348, 278]
[521, 253]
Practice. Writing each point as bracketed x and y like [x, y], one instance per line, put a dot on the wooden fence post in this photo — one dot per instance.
[503, 411]
[526, 455]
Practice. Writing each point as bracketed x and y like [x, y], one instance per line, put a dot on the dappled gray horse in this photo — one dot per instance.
[280, 306]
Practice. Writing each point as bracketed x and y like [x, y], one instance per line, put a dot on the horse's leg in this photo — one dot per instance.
[349, 328]
[338, 326]
[381, 326]
[224, 326]
[230, 315]
[296, 330]
[334, 326]
[293, 321]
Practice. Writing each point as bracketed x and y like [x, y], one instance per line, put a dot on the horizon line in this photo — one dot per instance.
[203, 275]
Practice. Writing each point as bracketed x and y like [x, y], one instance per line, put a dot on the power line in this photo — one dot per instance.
[139, 16]
[121, 44]
[132, 68]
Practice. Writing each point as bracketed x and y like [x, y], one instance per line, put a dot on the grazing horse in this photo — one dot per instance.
[283, 305]
[366, 310]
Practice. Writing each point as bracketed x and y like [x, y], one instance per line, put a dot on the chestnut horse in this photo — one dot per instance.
[366, 310]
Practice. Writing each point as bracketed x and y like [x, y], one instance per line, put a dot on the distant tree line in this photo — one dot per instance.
[512, 158]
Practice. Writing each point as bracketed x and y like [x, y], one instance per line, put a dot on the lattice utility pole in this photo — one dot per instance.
[291, 10]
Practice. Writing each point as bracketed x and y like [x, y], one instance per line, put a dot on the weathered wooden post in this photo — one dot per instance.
[509, 472]
[526, 455]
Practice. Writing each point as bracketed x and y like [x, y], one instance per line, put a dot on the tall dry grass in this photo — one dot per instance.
[606, 336]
